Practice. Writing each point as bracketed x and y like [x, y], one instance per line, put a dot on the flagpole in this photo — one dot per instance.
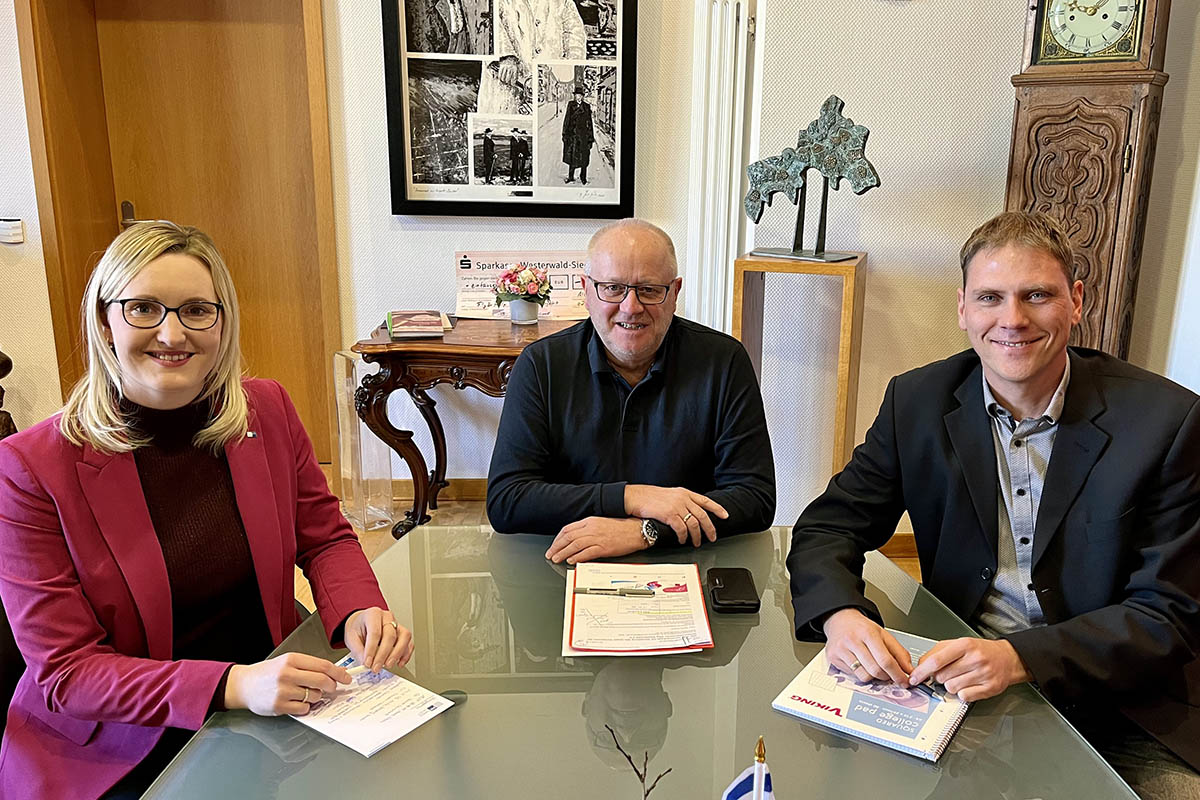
[760, 765]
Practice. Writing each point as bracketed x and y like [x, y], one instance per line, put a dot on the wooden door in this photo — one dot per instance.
[215, 116]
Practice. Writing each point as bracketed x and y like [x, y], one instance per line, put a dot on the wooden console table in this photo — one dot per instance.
[479, 353]
[749, 274]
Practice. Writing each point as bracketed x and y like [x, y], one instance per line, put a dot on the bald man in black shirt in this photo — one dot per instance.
[635, 427]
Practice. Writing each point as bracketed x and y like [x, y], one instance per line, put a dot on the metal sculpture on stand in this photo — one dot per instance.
[833, 145]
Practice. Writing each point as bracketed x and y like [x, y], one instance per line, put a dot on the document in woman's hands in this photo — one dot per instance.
[373, 711]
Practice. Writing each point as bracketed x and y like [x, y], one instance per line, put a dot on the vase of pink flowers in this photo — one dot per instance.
[525, 289]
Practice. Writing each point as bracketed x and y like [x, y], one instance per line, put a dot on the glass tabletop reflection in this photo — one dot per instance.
[486, 610]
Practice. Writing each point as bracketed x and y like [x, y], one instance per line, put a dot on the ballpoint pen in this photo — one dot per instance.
[615, 592]
[936, 691]
[363, 669]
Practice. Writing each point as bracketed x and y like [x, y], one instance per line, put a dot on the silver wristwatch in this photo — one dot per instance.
[649, 532]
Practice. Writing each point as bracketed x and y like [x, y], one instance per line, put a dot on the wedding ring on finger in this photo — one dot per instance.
[395, 627]
[854, 665]
[305, 700]
[687, 516]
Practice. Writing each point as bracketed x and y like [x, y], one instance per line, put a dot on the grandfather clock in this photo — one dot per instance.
[1088, 103]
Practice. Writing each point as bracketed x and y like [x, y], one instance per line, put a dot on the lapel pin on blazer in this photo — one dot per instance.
[251, 435]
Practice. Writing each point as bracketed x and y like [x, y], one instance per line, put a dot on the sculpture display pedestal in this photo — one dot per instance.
[749, 276]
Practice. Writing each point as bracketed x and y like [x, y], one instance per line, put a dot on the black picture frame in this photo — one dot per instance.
[447, 137]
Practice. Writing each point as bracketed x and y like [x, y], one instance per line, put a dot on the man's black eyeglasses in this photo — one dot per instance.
[650, 294]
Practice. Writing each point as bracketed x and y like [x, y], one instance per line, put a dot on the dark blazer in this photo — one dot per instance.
[85, 586]
[1116, 554]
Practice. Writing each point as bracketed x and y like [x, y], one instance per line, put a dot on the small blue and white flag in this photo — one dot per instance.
[744, 786]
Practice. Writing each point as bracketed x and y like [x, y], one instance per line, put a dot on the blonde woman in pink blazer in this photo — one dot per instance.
[148, 534]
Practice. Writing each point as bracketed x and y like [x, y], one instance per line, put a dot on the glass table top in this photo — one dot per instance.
[486, 610]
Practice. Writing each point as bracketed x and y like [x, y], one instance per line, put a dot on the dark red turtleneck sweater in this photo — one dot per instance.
[216, 607]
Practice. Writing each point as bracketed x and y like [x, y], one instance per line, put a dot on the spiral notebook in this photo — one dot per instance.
[919, 722]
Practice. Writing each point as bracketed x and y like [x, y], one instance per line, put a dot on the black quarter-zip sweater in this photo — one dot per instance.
[573, 432]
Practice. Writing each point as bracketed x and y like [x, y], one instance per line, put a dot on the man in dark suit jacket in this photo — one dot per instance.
[577, 136]
[518, 152]
[1054, 494]
[489, 155]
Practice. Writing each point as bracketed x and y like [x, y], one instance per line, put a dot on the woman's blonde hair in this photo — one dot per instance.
[92, 414]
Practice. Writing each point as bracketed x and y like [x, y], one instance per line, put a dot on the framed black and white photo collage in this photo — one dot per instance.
[511, 107]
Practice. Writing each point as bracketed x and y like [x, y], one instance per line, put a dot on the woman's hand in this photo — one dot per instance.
[286, 684]
[376, 641]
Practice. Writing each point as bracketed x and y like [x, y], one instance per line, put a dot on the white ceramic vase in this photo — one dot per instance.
[523, 312]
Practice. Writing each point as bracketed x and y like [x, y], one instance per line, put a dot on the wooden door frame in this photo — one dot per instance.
[326, 229]
[79, 217]
[78, 222]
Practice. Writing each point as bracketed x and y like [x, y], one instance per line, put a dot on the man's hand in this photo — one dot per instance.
[973, 669]
[859, 646]
[596, 537]
[685, 511]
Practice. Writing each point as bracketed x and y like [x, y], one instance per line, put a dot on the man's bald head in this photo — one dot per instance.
[634, 233]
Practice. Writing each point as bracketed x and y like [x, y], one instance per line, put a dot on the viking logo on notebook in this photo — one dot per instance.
[837, 712]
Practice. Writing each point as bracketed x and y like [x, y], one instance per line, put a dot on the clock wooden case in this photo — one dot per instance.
[1084, 133]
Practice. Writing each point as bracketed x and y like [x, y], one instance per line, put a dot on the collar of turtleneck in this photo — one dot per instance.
[169, 428]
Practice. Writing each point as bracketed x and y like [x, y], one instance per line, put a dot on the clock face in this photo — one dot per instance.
[1090, 30]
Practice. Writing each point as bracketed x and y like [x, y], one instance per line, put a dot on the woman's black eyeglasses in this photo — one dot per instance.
[197, 315]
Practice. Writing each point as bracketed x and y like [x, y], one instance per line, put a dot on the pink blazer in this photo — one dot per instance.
[85, 587]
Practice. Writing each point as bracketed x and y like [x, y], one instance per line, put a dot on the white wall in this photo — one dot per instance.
[31, 390]
[940, 130]
[1183, 362]
[1166, 322]
[389, 262]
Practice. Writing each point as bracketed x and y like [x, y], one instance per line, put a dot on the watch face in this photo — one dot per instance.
[1092, 30]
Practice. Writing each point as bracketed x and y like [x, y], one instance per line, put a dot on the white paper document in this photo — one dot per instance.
[567, 650]
[373, 711]
[635, 609]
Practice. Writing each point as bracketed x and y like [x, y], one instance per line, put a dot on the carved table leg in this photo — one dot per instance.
[370, 400]
[426, 405]
[7, 428]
